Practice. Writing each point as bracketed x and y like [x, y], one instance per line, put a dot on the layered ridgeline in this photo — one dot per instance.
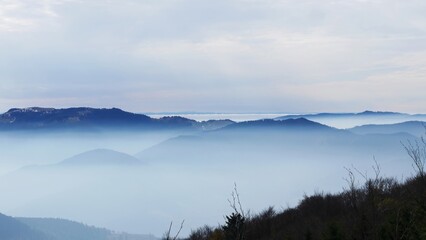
[83, 118]
[349, 120]
[171, 179]
[12, 228]
[416, 128]
[37, 118]
[292, 140]
[150, 180]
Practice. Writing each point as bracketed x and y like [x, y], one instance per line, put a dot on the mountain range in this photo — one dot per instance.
[84, 118]
[349, 120]
[101, 119]
[284, 140]
[150, 184]
[124, 191]
[415, 128]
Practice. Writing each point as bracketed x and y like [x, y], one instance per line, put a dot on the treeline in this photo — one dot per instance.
[382, 208]
[379, 209]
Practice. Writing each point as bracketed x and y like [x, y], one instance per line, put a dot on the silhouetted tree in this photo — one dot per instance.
[234, 226]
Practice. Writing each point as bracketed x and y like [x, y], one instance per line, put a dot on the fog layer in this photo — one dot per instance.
[156, 178]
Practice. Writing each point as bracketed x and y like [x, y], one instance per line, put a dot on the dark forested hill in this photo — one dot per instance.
[84, 118]
[380, 209]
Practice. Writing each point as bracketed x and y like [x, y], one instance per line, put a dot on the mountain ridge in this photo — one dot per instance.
[416, 128]
[293, 123]
[23, 228]
[355, 114]
[87, 118]
[101, 157]
[13, 229]
[350, 120]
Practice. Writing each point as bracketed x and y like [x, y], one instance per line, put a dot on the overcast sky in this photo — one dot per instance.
[215, 55]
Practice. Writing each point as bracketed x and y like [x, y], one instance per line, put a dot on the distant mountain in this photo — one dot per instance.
[58, 229]
[12, 229]
[277, 154]
[100, 157]
[213, 124]
[416, 128]
[271, 141]
[61, 229]
[36, 118]
[93, 159]
[342, 115]
[349, 120]
[270, 124]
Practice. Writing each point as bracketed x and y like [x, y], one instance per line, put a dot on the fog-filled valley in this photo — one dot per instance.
[138, 180]
[212, 120]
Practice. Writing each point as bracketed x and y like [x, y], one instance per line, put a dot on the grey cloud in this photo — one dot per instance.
[184, 52]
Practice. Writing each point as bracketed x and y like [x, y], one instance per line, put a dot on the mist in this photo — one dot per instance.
[24, 148]
[129, 115]
[184, 176]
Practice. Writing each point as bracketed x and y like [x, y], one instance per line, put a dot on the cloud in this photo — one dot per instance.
[399, 88]
[26, 15]
[212, 53]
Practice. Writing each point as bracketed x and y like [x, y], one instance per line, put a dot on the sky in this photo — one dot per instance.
[214, 56]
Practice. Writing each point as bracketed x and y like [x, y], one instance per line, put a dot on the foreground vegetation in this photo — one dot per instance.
[380, 208]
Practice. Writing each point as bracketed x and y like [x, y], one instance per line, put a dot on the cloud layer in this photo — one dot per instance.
[229, 56]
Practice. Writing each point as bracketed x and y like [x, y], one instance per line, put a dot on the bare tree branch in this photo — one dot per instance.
[167, 235]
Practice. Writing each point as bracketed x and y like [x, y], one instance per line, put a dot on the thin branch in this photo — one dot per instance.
[236, 203]
[168, 232]
[180, 229]
[363, 175]
[167, 237]
[376, 169]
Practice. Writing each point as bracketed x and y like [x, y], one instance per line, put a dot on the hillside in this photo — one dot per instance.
[292, 124]
[100, 157]
[381, 208]
[61, 229]
[12, 229]
[275, 141]
[127, 198]
[94, 119]
[58, 229]
[415, 128]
